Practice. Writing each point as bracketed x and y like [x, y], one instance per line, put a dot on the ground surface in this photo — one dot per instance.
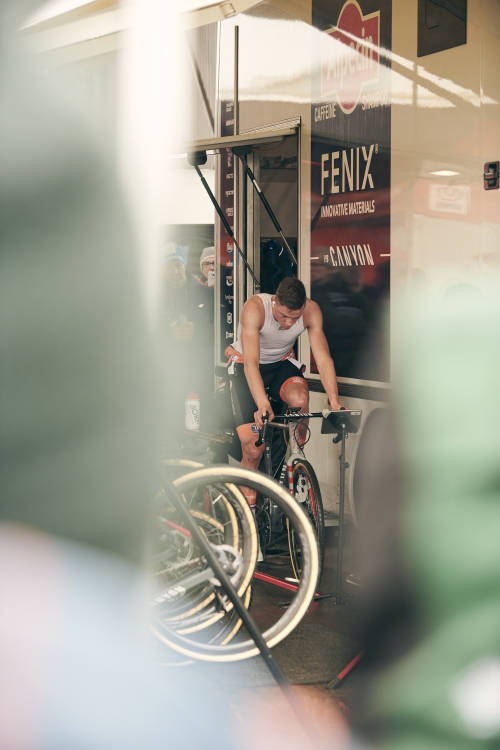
[311, 657]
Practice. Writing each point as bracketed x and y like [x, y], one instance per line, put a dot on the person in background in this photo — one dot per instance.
[175, 272]
[201, 294]
[177, 344]
[207, 267]
[177, 307]
[201, 312]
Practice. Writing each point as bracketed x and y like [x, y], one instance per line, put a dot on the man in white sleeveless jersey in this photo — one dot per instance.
[263, 357]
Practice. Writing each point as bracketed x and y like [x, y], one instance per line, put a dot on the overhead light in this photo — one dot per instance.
[445, 172]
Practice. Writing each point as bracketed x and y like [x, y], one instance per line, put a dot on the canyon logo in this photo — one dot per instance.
[350, 56]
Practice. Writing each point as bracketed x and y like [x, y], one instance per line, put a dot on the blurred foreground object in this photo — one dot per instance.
[77, 442]
[78, 397]
[433, 602]
[75, 668]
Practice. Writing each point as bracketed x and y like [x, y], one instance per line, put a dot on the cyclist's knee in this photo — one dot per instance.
[251, 452]
[248, 437]
[295, 392]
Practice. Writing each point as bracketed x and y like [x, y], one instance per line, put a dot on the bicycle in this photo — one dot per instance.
[176, 563]
[292, 470]
[191, 611]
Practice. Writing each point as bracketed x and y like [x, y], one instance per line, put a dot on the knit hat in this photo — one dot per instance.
[208, 253]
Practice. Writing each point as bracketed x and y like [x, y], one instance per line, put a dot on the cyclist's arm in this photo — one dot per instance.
[252, 320]
[313, 321]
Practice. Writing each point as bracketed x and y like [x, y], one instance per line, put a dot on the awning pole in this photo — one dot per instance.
[227, 226]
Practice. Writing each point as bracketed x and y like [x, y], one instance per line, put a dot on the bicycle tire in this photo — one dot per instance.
[199, 611]
[216, 619]
[298, 606]
[192, 611]
[222, 626]
[225, 634]
[244, 516]
[245, 543]
[307, 492]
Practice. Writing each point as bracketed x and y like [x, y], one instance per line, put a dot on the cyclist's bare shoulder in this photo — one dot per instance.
[253, 314]
[312, 315]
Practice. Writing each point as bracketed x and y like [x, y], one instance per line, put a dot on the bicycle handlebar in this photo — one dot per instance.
[276, 423]
[295, 417]
[302, 415]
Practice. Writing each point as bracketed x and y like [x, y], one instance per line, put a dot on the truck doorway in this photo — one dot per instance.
[275, 167]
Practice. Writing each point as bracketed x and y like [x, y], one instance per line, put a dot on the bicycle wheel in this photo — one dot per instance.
[191, 644]
[307, 492]
[226, 522]
[176, 554]
[225, 509]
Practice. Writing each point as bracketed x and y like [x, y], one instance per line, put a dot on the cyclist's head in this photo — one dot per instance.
[288, 302]
[291, 293]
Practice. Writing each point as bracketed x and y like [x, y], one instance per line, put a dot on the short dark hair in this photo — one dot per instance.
[291, 293]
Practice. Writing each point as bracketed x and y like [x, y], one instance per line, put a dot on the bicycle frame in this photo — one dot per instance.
[296, 474]
[293, 450]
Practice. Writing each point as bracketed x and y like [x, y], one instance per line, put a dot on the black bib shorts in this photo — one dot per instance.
[273, 376]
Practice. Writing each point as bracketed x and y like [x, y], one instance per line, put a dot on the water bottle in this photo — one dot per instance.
[192, 411]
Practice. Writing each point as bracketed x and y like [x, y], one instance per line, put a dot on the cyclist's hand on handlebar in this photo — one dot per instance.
[335, 405]
[263, 410]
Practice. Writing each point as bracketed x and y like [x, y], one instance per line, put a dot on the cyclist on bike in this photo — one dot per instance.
[262, 360]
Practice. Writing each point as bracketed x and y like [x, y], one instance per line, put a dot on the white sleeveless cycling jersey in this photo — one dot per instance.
[275, 343]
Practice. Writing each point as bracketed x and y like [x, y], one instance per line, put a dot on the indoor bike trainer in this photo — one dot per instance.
[339, 424]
